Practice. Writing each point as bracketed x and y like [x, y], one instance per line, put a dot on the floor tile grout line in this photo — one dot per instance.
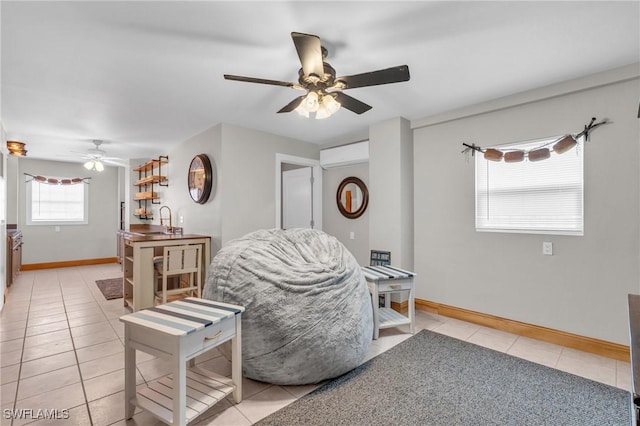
[75, 354]
[511, 345]
[118, 338]
[15, 397]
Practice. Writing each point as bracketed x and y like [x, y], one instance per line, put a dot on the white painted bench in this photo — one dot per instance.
[182, 330]
[387, 280]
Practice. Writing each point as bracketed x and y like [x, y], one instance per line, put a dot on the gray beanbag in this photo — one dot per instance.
[308, 311]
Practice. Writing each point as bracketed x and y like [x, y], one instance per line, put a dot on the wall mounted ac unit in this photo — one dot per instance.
[345, 155]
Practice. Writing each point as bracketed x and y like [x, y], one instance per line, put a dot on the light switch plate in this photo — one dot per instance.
[547, 248]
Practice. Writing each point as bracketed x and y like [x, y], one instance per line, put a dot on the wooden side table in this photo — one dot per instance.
[182, 330]
[387, 280]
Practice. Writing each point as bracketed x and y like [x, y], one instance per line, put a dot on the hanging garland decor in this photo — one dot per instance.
[55, 181]
[559, 146]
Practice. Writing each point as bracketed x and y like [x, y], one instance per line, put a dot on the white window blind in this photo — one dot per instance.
[543, 197]
[56, 204]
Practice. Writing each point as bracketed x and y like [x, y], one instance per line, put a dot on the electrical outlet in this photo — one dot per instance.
[57, 229]
[352, 235]
[547, 248]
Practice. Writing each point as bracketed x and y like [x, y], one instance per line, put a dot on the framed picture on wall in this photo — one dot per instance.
[379, 257]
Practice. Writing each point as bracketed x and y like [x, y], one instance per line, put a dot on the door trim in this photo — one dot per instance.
[317, 186]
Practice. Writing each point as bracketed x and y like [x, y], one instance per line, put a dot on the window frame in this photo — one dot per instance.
[528, 145]
[29, 203]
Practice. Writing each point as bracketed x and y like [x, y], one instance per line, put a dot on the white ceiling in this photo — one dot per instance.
[144, 76]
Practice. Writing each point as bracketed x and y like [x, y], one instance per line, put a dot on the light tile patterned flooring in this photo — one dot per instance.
[61, 348]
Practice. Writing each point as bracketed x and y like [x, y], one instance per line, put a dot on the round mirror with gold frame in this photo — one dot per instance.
[352, 197]
[200, 179]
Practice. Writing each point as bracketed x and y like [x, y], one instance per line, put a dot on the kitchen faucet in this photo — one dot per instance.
[163, 219]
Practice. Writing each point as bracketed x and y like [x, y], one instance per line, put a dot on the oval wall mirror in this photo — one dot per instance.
[200, 178]
[352, 197]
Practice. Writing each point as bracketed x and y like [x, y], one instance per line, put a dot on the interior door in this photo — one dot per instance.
[297, 198]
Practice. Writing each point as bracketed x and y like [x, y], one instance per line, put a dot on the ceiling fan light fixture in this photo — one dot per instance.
[322, 113]
[328, 107]
[330, 103]
[94, 164]
[322, 104]
[303, 112]
[310, 103]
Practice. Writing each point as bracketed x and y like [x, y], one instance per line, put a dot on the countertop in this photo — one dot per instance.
[144, 232]
[136, 236]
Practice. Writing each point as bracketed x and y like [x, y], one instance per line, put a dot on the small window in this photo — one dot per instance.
[57, 204]
[542, 197]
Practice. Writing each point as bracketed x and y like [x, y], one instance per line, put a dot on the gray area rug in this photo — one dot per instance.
[111, 288]
[432, 379]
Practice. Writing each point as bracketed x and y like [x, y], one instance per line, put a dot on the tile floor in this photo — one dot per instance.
[61, 348]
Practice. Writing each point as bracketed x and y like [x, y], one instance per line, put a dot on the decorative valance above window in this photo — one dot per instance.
[558, 145]
[57, 181]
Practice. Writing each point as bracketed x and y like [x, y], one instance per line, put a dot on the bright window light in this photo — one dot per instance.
[56, 204]
[542, 197]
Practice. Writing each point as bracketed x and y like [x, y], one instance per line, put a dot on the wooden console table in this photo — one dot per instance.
[181, 331]
[139, 251]
[387, 280]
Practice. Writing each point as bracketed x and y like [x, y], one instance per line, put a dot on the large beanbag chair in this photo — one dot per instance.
[308, 311]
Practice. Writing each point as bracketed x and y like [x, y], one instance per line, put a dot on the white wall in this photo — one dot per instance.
[244, 195]
[583, 287]
[13, 198]
[391, 190]
[95, 240]
[204, 219]
[248, 175]
[335, 223]
[4, 152]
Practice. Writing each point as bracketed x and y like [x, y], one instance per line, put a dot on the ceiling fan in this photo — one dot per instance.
[96, 157]
[324, 90]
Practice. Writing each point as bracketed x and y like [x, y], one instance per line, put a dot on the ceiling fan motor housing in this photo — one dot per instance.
[316, 82]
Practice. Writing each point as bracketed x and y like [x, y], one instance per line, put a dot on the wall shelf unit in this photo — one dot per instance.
[147, 180]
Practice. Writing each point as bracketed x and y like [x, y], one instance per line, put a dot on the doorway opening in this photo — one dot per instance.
[299, 180]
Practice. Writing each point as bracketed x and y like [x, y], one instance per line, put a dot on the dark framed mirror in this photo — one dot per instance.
[352, 197]
[200, 179]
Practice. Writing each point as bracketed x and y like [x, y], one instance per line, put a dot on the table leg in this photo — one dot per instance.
[236, 361]
[373, 289]
[129, 375]
[179, 387]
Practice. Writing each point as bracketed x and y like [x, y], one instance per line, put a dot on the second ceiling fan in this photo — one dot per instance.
[324, 90]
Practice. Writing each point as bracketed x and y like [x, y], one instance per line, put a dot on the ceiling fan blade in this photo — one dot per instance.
[374, 78]
[259, 80]
[113, 163]
[310, 53]
[292, 105]
[352, 104]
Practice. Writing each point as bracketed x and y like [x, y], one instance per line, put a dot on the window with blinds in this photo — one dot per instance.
[56, 204]
[542, 197]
